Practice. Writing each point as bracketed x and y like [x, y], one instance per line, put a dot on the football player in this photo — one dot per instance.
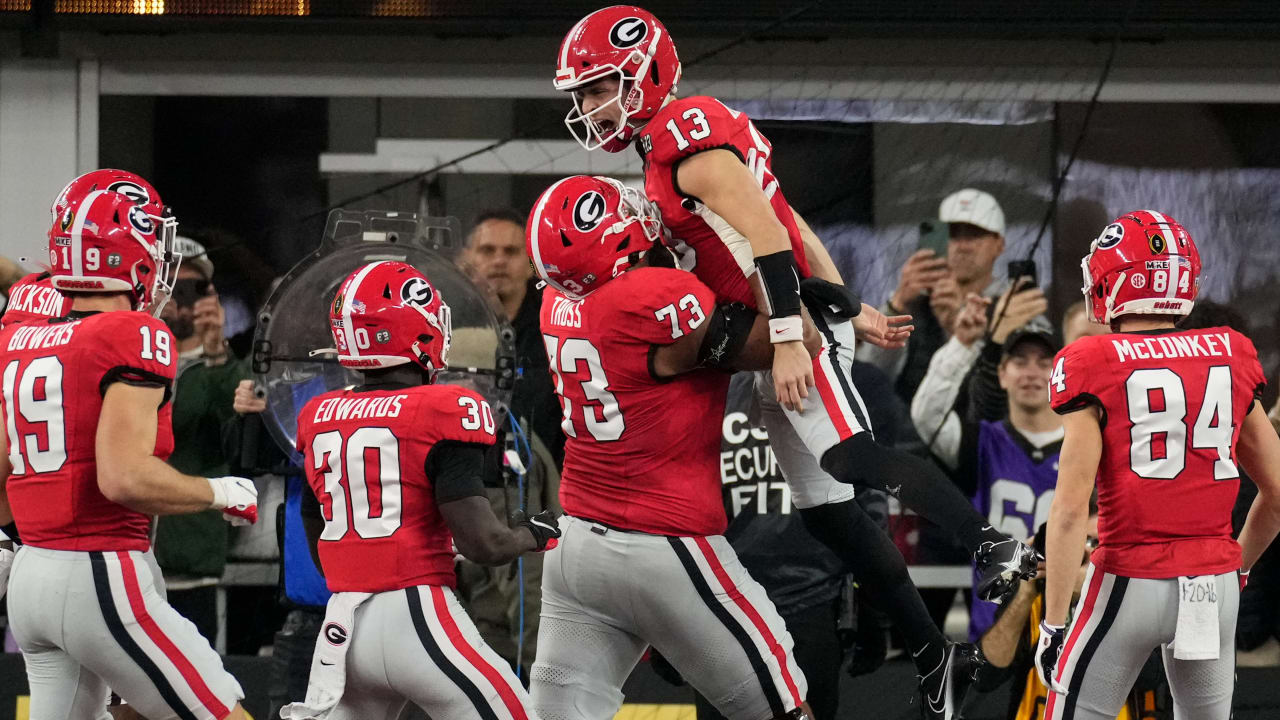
[34, 297]
[644, 561]
[82, 396]
[1163, 419]
[708, 170]
[395, 464]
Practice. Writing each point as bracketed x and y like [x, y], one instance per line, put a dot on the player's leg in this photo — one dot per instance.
[1204, 688]
[837, 521]
[833, 424]
[40, 594]
[150, 655]
[1116, 624]
[716, 625]
[584, 653]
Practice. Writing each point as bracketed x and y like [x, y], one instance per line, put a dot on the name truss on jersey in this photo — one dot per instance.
[37, 337]
[566, 313]
[1177, 346]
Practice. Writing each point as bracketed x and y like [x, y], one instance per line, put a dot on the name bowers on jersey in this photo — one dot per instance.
[36, 337]
[358, 408]
[1185, 346]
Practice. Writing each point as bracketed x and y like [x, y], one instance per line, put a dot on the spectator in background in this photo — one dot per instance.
[192, 549]
[494, 257]
[1007, 461]
[932, 289]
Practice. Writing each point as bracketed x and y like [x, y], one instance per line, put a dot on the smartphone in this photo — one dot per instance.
[1024, 268]
[935, 235]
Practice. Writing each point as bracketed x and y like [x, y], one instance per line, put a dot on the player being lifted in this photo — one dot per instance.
[82, 398]
[395, 464]
[1160, 417]
[643, 560]
[708, 170]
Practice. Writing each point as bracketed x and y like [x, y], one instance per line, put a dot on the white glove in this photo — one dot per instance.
[1048, 652]
[6, 562]
[236, 497]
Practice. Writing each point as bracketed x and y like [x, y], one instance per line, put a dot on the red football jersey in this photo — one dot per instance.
[1172, 404]
[55, 374]
[366, 455]
[34, 297]
[639, 454]
[720, 256]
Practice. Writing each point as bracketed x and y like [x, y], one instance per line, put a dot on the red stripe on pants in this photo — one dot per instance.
[829, 400]
[745, 605]
[1077, 626]
[441, 605]
[148, 624]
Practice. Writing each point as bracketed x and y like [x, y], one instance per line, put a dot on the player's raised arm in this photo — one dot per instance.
[729, 189]
[1259, 452]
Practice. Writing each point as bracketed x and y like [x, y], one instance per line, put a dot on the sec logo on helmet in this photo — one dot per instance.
[588, 211]
[628, 32]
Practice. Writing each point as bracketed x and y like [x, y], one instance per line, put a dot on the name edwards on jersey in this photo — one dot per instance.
[39, 337]
[1176, 346]
[359, 408]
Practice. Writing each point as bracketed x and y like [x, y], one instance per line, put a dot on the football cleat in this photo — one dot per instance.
[942, 691]
[1002, 566]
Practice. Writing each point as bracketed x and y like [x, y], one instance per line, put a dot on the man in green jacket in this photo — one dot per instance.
[192, 549]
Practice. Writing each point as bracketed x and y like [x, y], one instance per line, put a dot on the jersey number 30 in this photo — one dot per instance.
[373, 497]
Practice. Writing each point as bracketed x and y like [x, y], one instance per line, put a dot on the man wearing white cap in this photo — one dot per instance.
[932, 289]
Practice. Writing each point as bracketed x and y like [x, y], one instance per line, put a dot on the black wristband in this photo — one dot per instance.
[781, 283]
[727, 331]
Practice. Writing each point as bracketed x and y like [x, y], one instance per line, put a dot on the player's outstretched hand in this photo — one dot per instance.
[543, 527]
[792, 374]
[873, 326]
[237, 498]
[1048, 651]
[6, 562]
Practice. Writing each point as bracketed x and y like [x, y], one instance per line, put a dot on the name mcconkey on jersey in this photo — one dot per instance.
[359, 408]
[1176, 346]
[38, 337]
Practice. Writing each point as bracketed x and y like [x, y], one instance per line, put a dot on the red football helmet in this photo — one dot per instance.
[626, 41]
[125, 183]
[105, 242]
[1144, 263]
[386, 314]
[585, 230]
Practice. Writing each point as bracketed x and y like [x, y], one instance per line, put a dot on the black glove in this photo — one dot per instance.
[829, 298]
[543, 526]
[664, 669]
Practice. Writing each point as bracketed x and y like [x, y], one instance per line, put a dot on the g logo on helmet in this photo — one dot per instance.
[588, 211]
[1111, 236]
[133, 191]
[628, 32]
[416, 291]
[335, 633]
[140, 221]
